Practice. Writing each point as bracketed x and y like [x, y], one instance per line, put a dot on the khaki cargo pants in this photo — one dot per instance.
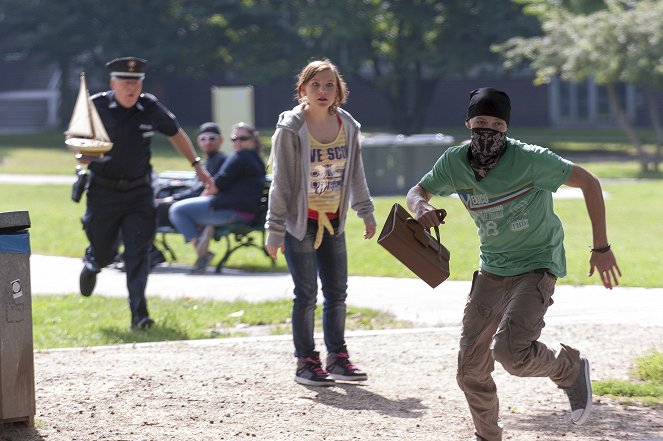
[502, 321]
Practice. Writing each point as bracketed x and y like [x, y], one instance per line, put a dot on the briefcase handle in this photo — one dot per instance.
[419, 234]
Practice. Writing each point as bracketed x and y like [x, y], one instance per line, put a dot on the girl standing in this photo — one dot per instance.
[318, 174]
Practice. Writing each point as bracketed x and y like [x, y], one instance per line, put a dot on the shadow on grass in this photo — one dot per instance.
[159, 332]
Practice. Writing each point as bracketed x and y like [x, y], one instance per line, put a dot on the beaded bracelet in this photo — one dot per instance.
[601, 250]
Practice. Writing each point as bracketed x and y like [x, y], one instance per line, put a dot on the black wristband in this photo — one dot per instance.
[196, 161]
[601, 250]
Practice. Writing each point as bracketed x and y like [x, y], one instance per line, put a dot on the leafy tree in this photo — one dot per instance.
[248, 40]
[540, 8]
[403, 49]
[619, 44]
[57, 33]
[84, 35]
[643, 45]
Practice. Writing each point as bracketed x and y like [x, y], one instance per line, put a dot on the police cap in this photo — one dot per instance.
[127, 68]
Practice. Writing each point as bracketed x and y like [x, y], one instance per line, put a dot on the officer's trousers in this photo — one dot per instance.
[128, 215]
[502, 321]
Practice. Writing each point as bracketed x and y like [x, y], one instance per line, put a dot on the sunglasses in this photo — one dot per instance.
[208, 137]
[240, 138]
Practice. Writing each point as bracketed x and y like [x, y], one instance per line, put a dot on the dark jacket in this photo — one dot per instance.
[240, 182]
[212, 164]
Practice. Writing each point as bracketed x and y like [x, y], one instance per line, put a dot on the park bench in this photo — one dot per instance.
[233, 237]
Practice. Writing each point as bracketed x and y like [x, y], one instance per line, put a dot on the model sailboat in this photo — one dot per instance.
[86, 134]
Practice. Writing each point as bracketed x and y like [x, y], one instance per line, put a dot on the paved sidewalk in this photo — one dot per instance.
[407, 299]
[7, 178]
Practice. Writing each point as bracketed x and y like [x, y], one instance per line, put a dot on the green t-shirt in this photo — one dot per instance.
[512, 206]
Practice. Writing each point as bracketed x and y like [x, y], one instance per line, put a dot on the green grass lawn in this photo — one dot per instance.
[633, 217]
[645, 385]
[45, 152]
[75, 321]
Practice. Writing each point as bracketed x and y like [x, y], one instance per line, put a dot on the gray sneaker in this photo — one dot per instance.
[310, 372]
[580, 394]
[200, 267]
[340, 367]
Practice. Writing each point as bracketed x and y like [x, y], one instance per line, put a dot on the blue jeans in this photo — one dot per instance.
[330, 261]
[188, 215]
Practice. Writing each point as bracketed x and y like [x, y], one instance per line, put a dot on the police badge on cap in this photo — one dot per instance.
[127, 68]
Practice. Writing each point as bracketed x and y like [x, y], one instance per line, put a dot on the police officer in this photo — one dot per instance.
[120, 198]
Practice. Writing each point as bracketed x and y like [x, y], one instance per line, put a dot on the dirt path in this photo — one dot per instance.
[243, 389]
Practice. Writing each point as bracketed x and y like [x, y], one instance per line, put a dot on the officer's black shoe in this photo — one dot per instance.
[156, 257]
[144, 323]
[87, 281]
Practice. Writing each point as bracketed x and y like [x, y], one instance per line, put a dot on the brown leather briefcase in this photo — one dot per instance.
[407, 240]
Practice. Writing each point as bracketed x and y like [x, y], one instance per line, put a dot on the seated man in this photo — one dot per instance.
[209, 140]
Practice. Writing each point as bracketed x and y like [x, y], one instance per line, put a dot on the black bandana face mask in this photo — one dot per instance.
[486, 149]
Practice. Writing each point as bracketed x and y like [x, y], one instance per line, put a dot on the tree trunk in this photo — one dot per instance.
[409, 101]
[658, 129]
[425, 90]
[625, 124]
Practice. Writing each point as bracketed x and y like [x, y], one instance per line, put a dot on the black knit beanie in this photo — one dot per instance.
[490, 102]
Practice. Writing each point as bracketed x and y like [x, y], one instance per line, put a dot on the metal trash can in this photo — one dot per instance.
[17, 384]
[394, 163]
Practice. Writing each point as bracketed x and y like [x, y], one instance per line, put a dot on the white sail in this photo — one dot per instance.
[86, 132]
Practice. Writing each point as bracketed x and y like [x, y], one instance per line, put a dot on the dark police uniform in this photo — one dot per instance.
[120, 198]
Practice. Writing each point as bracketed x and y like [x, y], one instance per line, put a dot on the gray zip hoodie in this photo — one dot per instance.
[288, 195]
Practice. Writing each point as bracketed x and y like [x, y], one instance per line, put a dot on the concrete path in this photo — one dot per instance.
[6, 178]
[407, 299]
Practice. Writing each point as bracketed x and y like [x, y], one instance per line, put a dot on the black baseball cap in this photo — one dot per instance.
[209, 127]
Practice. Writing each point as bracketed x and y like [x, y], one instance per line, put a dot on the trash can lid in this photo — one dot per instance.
[14, 220]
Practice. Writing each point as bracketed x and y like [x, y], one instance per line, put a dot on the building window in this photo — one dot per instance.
[586, 104]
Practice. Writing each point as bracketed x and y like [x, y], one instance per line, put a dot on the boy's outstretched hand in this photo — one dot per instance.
[606, 265]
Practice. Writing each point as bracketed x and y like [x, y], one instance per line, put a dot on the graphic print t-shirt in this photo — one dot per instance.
[327, 169]
[512, 206]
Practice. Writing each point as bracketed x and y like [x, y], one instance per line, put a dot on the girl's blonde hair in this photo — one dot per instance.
[310, 70]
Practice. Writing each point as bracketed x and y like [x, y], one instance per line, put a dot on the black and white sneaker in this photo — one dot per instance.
[340, 367]
[580, 394]
[310, 372]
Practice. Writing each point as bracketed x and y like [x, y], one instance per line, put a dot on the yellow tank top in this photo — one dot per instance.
[327, 169]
